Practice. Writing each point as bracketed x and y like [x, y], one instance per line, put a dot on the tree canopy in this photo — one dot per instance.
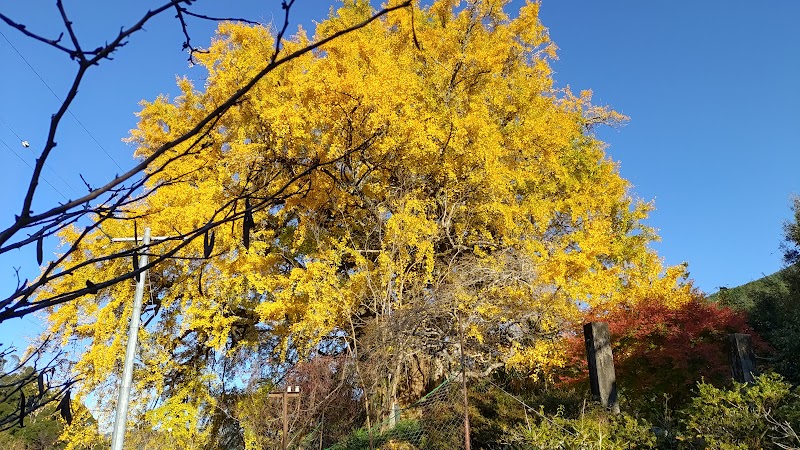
[415, 177]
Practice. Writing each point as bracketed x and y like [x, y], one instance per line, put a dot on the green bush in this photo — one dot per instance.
[761, 415]
[595, 428]
[565, 419]
[407, 432]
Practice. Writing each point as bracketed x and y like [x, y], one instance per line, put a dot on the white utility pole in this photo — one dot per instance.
[118, 438]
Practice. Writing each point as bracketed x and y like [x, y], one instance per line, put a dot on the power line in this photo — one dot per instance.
[11, 130]
[46, 165]
[59, 99]
[31, 167]
[34, 154]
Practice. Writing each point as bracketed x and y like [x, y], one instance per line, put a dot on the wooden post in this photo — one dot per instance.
[284, 440]
[394, 417]
[290, 391]
[467, 437]
[601, 364]
[743, 360]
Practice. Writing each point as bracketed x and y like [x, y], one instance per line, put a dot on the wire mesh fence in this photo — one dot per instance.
[435, 421]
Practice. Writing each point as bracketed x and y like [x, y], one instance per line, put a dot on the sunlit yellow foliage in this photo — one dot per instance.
[448, 176]
[82, 434]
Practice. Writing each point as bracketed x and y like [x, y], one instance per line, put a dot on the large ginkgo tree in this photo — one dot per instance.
[410, 193]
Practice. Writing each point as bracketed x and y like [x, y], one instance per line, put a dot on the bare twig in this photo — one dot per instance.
[56, 218]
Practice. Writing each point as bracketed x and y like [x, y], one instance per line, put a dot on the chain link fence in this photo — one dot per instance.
[435, 421]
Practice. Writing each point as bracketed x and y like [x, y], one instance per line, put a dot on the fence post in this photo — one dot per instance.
[601, 364]
[743, 360]
[288, 391]
[394, 417]
[467, 437]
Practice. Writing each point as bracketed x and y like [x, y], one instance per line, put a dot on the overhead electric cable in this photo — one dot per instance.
[31, 167]
[12, 130]
[59, 99]
[34, 154]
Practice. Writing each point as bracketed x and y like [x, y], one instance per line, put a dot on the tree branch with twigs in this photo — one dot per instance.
[116, 200]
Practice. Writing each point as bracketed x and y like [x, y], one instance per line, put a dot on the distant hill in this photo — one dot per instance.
[745, 297]
[772, 304]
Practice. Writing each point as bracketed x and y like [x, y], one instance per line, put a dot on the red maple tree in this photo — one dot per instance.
[658, 349]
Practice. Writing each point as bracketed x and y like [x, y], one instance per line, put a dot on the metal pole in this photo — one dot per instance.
[118, 438]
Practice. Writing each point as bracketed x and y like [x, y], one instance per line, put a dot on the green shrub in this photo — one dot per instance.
[761, 415]
[595, 428]
[407, 432]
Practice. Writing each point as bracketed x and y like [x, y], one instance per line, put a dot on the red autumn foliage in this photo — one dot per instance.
[658, 349]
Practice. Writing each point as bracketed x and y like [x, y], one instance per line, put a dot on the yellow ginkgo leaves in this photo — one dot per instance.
[418, 171]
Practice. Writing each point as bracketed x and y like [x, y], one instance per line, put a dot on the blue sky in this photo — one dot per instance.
[711, 88]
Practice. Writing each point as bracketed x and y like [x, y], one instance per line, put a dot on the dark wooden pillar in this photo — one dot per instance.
[743, 360]
[601, 364]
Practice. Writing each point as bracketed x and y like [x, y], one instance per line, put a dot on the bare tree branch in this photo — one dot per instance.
[112, 200]
[51, 221]
[25, 373]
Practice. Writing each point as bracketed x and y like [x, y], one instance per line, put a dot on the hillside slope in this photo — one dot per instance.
[746, 296]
